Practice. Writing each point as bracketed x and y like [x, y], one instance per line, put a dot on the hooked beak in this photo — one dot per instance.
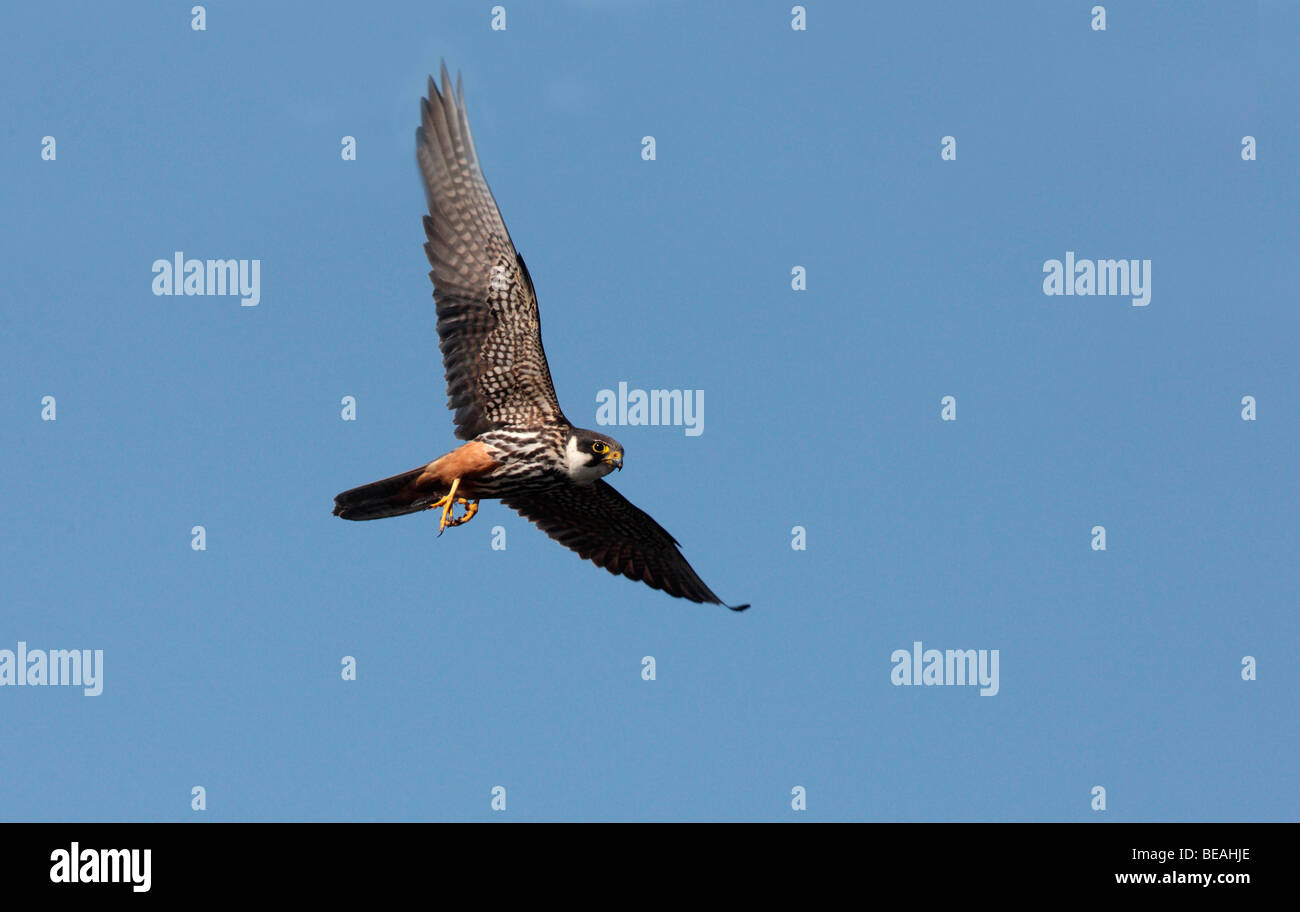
[615, 459]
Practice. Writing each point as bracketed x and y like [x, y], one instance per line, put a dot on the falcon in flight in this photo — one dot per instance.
[519, 446]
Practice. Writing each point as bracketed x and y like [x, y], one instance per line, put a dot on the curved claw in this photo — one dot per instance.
[471, 507]
[447, 504]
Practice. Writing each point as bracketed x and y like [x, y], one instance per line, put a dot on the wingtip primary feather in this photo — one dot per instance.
[446, 83]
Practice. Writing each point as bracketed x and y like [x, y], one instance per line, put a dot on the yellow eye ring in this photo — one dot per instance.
[599, 448]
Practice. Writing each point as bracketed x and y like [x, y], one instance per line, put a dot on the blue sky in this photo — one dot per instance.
[775, 148]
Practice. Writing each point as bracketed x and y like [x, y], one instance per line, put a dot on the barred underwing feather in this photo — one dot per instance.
[488, 326]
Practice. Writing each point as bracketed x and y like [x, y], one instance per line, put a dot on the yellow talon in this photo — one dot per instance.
[446, 504]
[471, 507]
[448, 513]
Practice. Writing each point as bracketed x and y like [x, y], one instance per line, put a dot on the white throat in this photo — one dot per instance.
[576, 461]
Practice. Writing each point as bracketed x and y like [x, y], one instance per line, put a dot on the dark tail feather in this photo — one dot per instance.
[394, 496]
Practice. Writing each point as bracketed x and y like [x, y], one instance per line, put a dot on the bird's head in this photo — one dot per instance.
[590, 455]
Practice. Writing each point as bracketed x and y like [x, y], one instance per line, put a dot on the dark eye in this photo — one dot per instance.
[599, 447]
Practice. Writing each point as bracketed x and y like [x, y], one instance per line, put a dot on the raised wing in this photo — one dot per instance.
[488, 328]
[606, 528]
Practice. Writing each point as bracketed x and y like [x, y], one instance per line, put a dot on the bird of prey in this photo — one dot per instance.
[519, 447]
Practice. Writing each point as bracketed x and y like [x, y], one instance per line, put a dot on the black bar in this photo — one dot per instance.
[335, 860]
